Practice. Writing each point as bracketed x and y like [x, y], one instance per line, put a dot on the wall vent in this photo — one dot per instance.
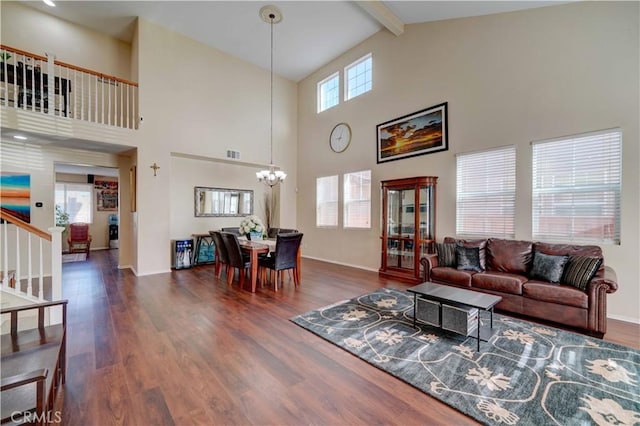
[233, 154]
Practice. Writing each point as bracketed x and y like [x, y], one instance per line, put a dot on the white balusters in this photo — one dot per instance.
[29, 271]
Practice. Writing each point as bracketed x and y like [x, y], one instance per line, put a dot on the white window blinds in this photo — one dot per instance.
[486, 193]
[576, 188]
[327, 201]
[75, 199]
[357, 199]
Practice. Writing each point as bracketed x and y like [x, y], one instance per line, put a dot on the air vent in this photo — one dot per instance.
[233, 154]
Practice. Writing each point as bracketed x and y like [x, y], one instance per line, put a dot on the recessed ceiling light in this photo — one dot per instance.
[49, 3]
[22, 138]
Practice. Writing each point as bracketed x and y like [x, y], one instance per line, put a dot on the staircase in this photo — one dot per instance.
[30, 260]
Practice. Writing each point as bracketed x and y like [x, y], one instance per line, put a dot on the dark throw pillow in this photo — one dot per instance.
[446, 254]
[468, 258]
[579, 271]
[547, 267]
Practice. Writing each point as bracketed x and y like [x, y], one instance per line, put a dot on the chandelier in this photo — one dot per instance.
[271, 177]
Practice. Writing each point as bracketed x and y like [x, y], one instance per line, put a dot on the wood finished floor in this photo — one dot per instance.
[184, 348]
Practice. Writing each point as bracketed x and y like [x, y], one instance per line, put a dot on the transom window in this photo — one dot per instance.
[329, 92]
[358, 77]
[576, 188]
[486, 193]
[357, 199]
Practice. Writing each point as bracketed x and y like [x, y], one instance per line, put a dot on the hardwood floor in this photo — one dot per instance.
[184, 348]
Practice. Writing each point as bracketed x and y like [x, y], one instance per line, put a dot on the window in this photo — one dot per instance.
[327, 201]
[328, 92]
[486, 193]
[357, 199]
[76, 199]
[576, 188]
[358, 78]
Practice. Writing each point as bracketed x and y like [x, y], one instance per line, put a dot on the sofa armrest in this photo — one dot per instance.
[606, 279]
[428, 262]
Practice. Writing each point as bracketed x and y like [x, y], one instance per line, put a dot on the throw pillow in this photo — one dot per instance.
[468, 258]
[482, 248]
[446, 254]
[579, 271]
[547, 267]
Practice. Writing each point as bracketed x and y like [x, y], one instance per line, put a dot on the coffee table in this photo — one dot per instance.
[472, 299]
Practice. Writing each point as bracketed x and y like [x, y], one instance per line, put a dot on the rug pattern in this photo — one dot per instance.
[527, 374]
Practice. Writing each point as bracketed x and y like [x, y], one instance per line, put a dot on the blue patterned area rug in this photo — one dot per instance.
[527, 374]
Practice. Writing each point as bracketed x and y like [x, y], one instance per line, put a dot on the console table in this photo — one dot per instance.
[204, 250]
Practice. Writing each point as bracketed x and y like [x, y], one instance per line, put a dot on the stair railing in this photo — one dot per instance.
[23, 247]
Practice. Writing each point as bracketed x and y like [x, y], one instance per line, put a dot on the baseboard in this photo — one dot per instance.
[341, 263]
[625, 319]
[151, 273]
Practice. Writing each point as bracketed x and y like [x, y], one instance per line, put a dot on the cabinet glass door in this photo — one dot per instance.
[400, 228]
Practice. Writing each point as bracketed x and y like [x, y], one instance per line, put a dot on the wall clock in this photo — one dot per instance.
[340, 137]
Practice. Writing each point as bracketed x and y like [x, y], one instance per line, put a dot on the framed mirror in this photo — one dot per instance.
[222, 202]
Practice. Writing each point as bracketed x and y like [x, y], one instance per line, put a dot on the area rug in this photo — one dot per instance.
[74, 257]
[526, 374]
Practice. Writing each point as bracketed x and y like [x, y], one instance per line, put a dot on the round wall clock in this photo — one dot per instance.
[340, 137]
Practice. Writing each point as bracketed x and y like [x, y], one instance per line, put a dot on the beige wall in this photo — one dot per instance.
[201, 102]
[509, 79]
[29, 29]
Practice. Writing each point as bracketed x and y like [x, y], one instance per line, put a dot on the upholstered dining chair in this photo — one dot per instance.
[236, 258]
[285, 257]
[222, 256]
[273, 232]
[79, 239]
[233, 230]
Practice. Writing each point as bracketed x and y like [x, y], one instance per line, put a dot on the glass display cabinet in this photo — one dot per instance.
[408, 226]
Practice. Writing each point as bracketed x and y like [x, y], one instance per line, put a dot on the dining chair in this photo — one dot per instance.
[273, 232]
[233, 230]
[222, 256]
[235, 256]
[285, 257]
[79, 239]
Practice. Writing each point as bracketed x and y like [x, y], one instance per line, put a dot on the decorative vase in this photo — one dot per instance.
[255, 236]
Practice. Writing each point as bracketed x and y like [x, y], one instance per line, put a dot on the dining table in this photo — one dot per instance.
[254, 248]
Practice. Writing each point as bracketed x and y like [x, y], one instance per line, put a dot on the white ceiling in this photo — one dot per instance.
[311, 34]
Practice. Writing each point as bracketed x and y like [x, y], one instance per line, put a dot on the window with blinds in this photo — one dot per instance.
[486, 193]
[75, 199]
[576, 188]
[357, 199]
[327, 201]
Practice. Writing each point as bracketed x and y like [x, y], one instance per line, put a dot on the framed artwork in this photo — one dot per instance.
[107, 195]
[15, 195]
[422, 132]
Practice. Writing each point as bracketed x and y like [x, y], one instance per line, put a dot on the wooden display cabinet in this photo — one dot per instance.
[408, 226]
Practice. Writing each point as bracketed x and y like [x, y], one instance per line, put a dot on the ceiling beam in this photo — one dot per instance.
[384, 15]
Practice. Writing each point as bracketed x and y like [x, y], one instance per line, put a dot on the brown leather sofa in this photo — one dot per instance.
[507, 267]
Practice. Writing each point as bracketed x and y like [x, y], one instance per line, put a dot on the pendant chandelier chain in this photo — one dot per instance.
[271, 17]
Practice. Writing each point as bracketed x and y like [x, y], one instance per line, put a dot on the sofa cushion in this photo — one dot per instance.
[547, 267]
[451, 275]
[510, 256]
[446, 254]
[579, 271]
[481, 244]
[560, 294]
[499, 281]
[468, 258]
[568, 250]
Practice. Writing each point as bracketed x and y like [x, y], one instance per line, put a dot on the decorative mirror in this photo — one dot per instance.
[222, 202]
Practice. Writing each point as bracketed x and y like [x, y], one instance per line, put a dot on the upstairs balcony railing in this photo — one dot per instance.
[44, 85]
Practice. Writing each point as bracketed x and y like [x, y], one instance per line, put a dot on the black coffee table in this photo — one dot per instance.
[445, 293]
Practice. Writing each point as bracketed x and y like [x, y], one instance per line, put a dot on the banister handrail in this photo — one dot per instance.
[23, 52]
[96, 73]
[24, 225]
[70, 66]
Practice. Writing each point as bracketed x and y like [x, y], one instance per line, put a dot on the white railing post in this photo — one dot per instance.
[51, 82]
[56, 272]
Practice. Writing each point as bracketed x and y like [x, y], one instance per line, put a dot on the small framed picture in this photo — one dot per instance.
[422, 132]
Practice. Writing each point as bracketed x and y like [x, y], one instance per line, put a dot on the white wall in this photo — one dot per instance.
[509, 79]
[29, 29]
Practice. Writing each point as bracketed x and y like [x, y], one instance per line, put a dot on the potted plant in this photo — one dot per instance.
[62, 219]
[252, 227]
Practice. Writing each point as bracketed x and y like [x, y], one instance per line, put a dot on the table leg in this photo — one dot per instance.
[254, 270]
[491, 317]
[478, 332]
